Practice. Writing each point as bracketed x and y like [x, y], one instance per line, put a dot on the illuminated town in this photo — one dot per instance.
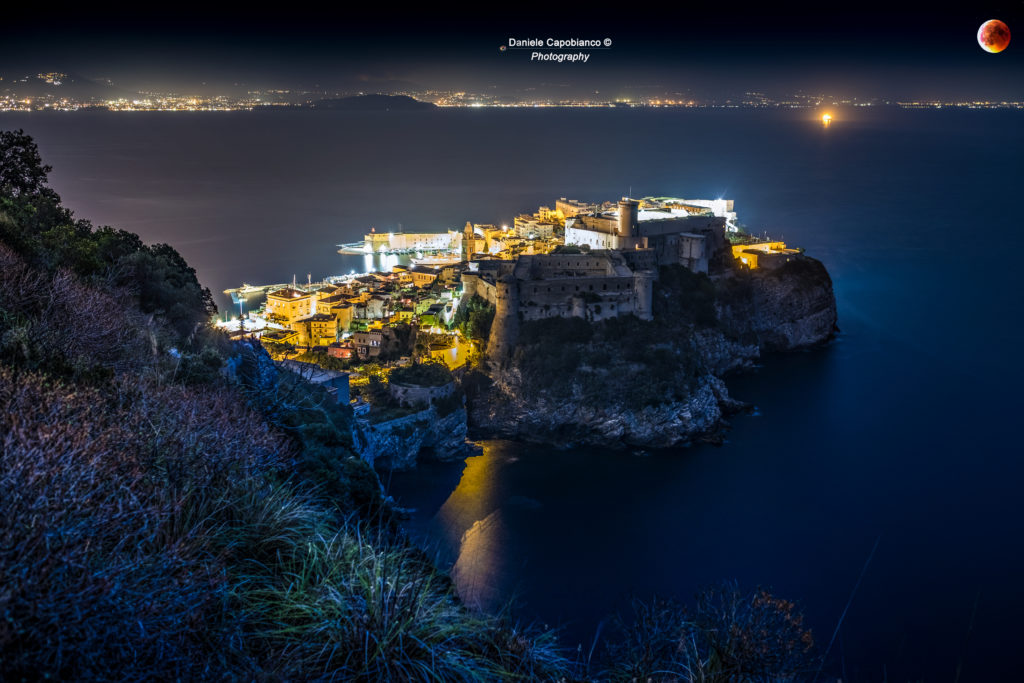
[53, 91]
[573, 259]
[509, 343]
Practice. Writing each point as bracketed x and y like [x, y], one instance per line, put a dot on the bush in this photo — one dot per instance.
[426, 374]
[474, 318]
[117, 514]
[46, 235]
[200, 368]
[55, 322]
[446, 405]
[730, 636]
[157, 523]
[555, 331]
[682, 297]
[153, 532]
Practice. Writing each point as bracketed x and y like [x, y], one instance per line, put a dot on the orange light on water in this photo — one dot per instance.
[826, 119]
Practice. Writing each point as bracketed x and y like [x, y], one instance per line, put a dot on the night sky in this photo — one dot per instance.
[843, 48]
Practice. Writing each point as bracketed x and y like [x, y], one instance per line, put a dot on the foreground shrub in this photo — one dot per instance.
[117, 509]
[154, 532]
[730, 636]
[56, 322]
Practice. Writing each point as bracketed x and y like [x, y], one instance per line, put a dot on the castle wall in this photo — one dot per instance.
[576, 306]
[553, 290]
[593, 286]
[473, 284]
[535, 266]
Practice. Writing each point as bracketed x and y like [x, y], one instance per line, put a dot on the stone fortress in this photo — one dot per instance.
[610, 273]
[588, 260]
[594, 286]
[676, 233]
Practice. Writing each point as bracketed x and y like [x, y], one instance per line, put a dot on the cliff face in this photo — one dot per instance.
[787, 309]
[396, 444]
[504, 413]
[791, 308]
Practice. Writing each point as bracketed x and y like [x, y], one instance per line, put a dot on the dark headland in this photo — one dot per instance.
[375, 103]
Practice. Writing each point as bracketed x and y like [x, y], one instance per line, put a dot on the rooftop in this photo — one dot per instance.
[287, 293]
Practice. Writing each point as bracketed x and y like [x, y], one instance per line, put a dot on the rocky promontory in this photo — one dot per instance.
[398, 444]
[630, 383]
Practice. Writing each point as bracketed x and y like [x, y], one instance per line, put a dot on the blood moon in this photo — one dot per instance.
[994, 36]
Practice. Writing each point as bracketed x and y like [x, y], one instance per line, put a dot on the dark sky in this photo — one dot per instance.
[841, 47]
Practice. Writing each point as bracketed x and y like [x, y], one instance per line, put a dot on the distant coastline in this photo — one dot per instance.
[375, 103]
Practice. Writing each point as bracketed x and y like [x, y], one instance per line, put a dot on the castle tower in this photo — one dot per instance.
[505, 329]
[629, 213]
[468, 241]
[643, 290]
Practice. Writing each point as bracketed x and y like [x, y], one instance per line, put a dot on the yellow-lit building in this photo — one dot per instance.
[765, 255]
[402, 315]
[289, 305]
[388, 242]
[567, 208]
[402, 272]
[547, 214]
[342, 315]
[280, 337]
[423, 276]
[531, 227]
[325, 303]
[317, 330]
[368, 343]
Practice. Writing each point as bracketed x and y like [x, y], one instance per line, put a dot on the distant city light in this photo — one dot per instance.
[826, 119]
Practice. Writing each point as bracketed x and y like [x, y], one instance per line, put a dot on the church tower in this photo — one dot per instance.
[468, 241]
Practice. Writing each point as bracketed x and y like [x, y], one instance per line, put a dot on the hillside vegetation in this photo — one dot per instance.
[171, 506]
[174, 508]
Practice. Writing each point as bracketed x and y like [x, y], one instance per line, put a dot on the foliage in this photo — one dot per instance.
[684, 296]
[556, 331]
[426, 374]
[321, 358]
[168, 287]
[755, 635]
[474, 318]
[35, 225]
[731, 636]
[22, 173]
[623, 360]
[616, 361]
[200, 368]
[54, 322]
[151, 532]
[446, 405]
[117, 511]
[398, 341]
[320, 427]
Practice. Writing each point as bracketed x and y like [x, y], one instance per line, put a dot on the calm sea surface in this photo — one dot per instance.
[905, 431]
